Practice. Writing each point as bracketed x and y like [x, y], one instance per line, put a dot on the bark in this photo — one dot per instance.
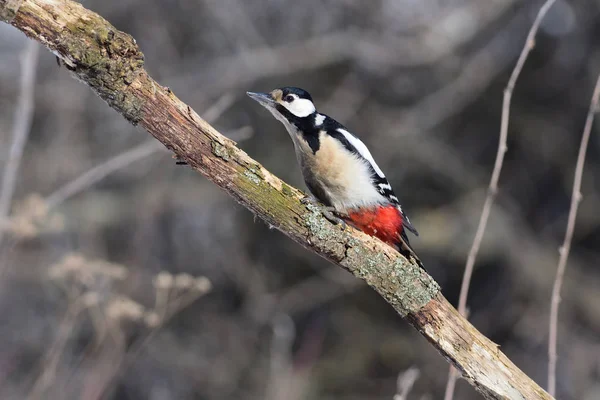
[110, 62]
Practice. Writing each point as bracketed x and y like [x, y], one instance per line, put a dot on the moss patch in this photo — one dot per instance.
[9, 10]
[106, 59]
[286, 189]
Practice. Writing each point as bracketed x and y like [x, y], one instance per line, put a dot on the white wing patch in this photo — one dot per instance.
[319, 119]
[362, 150]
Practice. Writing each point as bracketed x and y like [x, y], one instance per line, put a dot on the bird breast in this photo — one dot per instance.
[333, 172]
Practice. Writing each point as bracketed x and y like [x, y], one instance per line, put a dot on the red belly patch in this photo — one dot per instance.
[383, 222]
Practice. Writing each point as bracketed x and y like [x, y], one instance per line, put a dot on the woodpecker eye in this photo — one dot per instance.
[289, 98]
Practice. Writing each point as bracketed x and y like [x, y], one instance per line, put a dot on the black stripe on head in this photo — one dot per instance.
[301, 93]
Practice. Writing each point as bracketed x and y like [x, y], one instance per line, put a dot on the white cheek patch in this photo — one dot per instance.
[300, 107]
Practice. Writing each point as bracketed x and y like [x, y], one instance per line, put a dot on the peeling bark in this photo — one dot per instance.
[110, 62]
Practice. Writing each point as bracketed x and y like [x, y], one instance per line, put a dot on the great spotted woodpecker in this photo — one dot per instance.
[338, 168]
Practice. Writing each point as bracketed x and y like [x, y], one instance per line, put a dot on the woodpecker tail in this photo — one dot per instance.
[387, 224]
[406, 249]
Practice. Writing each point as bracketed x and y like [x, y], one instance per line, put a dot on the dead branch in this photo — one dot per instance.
[110, 62]
[123, 159]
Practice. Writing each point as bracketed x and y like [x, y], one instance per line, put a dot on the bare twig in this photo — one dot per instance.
[566, 246]
[493, 187]
[56, 350]
[476, 75]
[280, 368]
[99, 172]
[128, 157]
[172, 295]
[22, 125]
[405, 382]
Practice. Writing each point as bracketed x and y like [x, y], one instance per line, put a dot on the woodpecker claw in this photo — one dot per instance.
[330, 213]
[334, 216]
[331, 217]
[307, 200]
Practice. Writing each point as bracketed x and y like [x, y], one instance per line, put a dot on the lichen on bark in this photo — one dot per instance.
[106, 59]
[402, 283]
[109, 64]
[8, 9]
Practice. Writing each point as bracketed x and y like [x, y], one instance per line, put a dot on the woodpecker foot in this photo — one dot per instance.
[308, 200]
[330, 213]
[333, 216]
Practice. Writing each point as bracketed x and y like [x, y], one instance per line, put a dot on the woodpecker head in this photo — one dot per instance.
[289, 105]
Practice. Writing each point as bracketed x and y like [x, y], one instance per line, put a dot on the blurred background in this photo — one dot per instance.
[124, 276]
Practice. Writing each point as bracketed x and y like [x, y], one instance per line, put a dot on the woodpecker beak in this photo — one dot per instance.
[265, 99]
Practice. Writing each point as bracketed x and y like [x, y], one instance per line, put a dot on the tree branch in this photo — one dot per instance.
[110, 62]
